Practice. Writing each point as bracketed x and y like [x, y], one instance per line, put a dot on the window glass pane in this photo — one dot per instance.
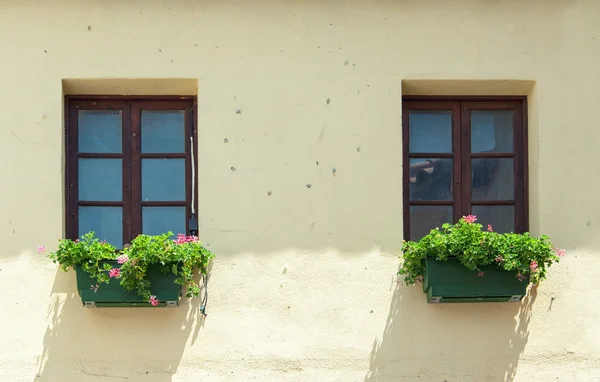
[163, 179]
[99, 131]
[502, 218]
[492, 179]
[430, 179]
[430, 131]
[106, 222]
[425, 218]
[158, 220]
[100, 179]
[163, 131]
[492, 131]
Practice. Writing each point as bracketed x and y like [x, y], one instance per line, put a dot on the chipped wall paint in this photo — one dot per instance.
[303, 287]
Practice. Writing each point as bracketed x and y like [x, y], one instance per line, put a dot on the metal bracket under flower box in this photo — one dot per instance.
[112, 295]
[92, 304]
[448, 281]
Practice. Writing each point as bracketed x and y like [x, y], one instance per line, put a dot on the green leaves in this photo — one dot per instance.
[475, 248]
[87, 251]
[180, 257]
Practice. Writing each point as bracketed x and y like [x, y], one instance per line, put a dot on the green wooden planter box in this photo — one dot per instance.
[448, 281]
[113, 295]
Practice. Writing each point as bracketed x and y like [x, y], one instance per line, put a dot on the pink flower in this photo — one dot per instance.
[490, 229]
[533, 266]
[499, 258]
[41, 249]
[480, 274]
[559, 252]
[77, 240]
[153, 300]
[122, 259]
[115, 272]
[520, 277]
[470, 218]
[181, 238]
[95, 288]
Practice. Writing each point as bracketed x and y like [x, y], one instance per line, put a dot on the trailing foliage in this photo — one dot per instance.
[87, 252]
[180, 257]
[522, 254]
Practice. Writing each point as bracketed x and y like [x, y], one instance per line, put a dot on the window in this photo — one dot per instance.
[129, 167]
[461, 157]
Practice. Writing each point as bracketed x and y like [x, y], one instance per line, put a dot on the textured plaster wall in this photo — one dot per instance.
[303, 286]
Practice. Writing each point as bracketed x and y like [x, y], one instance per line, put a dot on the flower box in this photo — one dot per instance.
[163, 286]
[490, 266]
[150, 271]
[449, 281]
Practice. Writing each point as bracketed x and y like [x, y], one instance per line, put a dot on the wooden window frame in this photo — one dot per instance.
[131, 107]
[461, 107]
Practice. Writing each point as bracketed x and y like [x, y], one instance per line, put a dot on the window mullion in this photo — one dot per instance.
[136, 170]
[465, 159]
[405, 172]
[71, 173]
[520, 169]
[127, 197]
[189, 189]
[457, 185]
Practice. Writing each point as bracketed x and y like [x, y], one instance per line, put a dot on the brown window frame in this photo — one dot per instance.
[131, 107]
[461, 107]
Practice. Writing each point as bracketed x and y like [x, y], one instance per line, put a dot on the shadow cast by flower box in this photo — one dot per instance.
[449, 341]
[136, 343]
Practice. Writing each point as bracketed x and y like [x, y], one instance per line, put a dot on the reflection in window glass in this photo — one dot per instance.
[163, 179]
[492, 179]
[163, 131]
[430, 131]
[502, 218]
[99, 131]
[158, 220]
[106, 222]
[491, 131]
[425, 218]
[100, 179]
[431, 179]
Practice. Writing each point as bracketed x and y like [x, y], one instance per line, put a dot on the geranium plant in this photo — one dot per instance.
[180, 256]
[475, 248]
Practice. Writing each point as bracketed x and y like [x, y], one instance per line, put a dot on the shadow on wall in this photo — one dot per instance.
[450, 342]
[113, 343]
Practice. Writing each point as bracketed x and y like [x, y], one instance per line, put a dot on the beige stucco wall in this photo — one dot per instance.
[303, 286]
